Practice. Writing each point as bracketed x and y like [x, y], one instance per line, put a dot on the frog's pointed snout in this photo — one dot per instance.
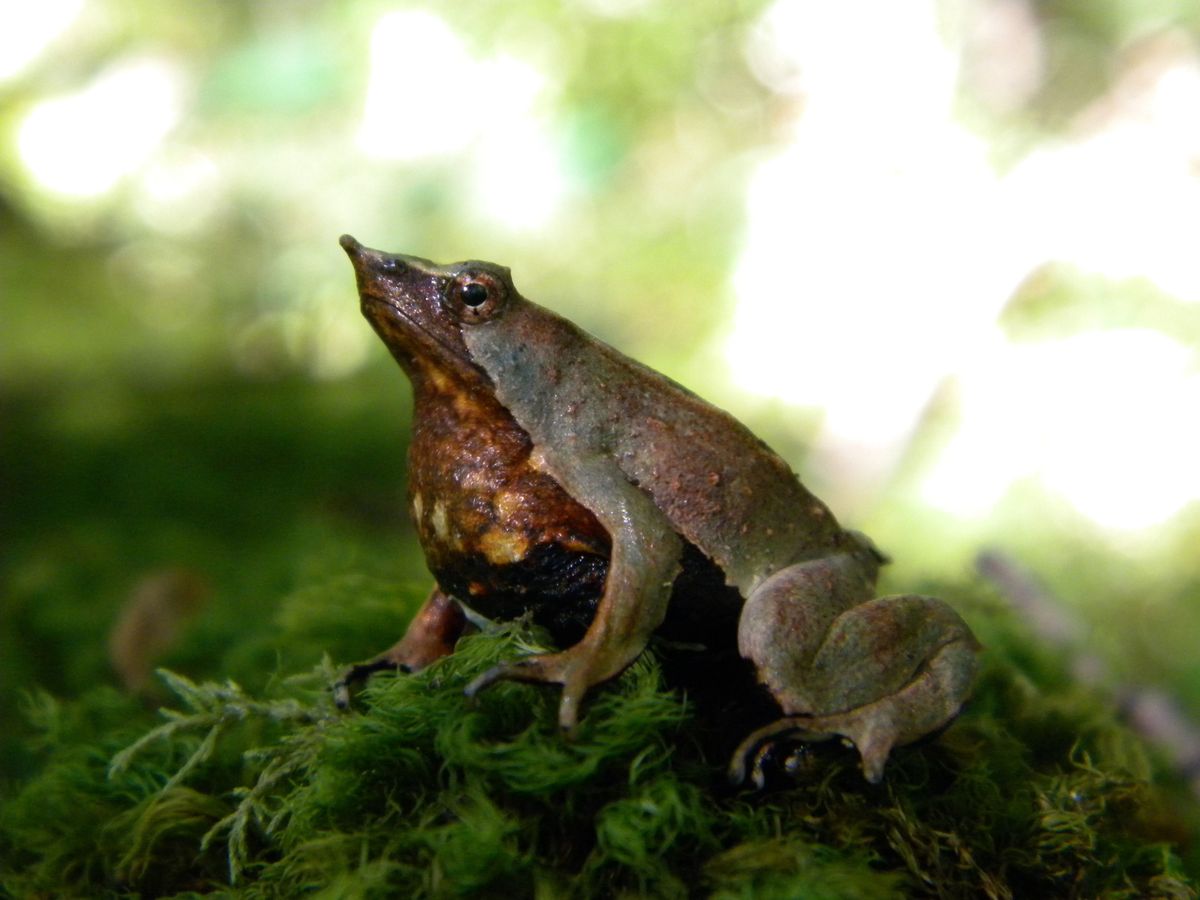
[372, 263]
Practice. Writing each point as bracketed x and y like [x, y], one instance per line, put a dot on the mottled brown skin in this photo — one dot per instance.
[506, 538]
[496, 531]
[501, 534]
[550, 474]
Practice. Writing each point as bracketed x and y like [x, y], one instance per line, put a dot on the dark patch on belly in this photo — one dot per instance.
[561, 588]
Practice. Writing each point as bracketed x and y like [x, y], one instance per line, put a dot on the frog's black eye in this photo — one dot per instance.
[474, 294]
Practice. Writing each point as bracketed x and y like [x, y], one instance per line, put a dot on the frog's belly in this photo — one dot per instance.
[559, 587]
[500, 535]
[505, 539]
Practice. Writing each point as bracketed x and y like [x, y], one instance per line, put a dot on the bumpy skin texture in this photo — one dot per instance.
[551, 474]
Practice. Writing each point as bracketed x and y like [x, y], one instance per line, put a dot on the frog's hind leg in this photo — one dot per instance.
[889, 671]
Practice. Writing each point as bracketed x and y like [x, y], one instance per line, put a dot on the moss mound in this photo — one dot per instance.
[1035, 791]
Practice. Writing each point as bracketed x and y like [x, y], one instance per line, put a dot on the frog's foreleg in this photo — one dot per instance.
[885, 673]
[645, 560]
[431, 634]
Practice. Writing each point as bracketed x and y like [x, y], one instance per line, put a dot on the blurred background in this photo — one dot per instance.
[941, 255]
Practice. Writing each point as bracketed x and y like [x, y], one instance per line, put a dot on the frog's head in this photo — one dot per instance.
[420, 308]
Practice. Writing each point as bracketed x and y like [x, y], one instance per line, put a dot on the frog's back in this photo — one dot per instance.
[721, 487]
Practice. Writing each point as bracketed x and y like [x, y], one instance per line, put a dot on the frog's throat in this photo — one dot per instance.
[418, 342]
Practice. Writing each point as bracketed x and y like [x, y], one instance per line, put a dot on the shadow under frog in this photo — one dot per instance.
[551, 474]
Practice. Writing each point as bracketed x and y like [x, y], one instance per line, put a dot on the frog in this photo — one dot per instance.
[552, 476]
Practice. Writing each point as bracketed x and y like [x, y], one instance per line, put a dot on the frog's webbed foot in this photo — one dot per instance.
[749, 759]
[576, 669]
[872, 737]
[928, 701]
[357, 675]
[885, 673]
[432, 634]
[547, 669]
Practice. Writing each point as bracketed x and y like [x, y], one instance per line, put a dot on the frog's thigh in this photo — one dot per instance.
[887, 672]
[893, 671]
[877, 648]
[786, 619]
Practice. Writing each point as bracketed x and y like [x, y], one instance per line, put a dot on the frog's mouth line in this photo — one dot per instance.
[412, 338]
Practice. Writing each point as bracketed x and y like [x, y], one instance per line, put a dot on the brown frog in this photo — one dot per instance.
[551, 474]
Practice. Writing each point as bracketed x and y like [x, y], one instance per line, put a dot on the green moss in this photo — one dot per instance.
[1035, 790]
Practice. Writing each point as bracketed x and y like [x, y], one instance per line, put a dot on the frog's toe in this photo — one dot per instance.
[568, 711]
[874, 746]
[531, 668]
[550, 669]
[357, 675]
[487, 679]
[749, 757]
[872, 735]
[341, 694]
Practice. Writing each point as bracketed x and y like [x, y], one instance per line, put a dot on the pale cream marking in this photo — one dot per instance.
[503, 547]
[439, 379]
[466, 406]
[506, 504]
[475, 480]
[438, 520]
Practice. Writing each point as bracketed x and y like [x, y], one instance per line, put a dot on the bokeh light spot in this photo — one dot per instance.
[27, 29]
[82, 144]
